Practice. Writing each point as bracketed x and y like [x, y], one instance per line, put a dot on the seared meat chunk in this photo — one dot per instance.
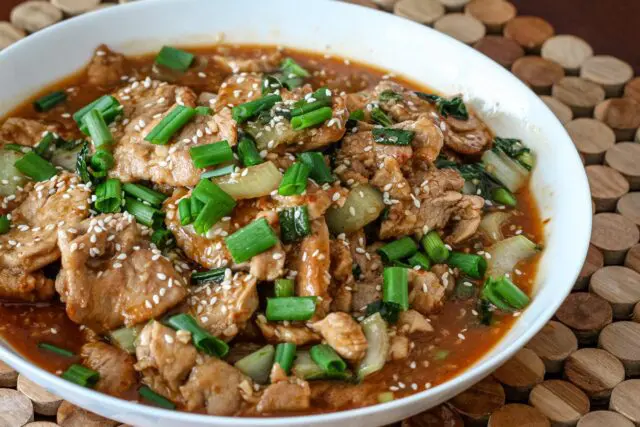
[313, 266]
[106, 67]
[426, 293]
[428, 139]
[27, 132]
[115, 367]
[398, 348]
[329, 132]
[364, 293]
[112, 276]
[315, 198]
[224, 309]
[402, 105]
[269, 265]
[276, 332]
[341, 269]
[470, 137]
[265, 63]
[344, 334]
[238, 89]
[285, 396]
[31, 243]
[390, 180]
[411, 321]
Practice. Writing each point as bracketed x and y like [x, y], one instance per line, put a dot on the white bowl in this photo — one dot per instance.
[396, 44]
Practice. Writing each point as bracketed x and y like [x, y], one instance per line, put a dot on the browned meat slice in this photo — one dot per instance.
[317, 199]
[364, 293]
[367, 259]
[165, 358]
[278, 332]
[313, 266]
[224, 309]
[265, 63]
[217, 387]
[343, 334]
[27, 132]
[111, 276]
[238, 89]
[469, 136]
[341, 276]
[390, 180]
[426, 293]
[411, 321]
[428, 139]
[31, 243]
[398, 348]
[106, 67]
[400, 103]
[115, 367]
[329, 132]
[285, 396]
[269, 265]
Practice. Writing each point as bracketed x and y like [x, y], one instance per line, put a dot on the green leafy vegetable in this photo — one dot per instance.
[387, 309]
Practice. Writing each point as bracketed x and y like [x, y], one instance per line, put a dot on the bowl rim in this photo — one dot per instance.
[476, 370]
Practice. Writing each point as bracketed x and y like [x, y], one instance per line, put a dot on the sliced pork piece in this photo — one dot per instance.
[428, 139]
[115, 367]
[313, 266]
[426, 293]
[27, 132]
[106, 67]
[398, 348]
[265, 63]
[285, 396]
[364, 293]
[411, 321]
[31, 243]
[469, 136]
[329, 132]
[238, 89]
[391, 182]
[342, 281]
[294, 333]
[344, 334]
[315, 198]
[111, 276]
[269, 265]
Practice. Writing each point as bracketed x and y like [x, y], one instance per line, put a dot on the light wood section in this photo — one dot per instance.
[465, 28]
[35, 15]
[553, 344]
[607, 186]
[595, 371]
[625, 158]
[608, 71]
[621, 114]
[424, 11]
[618, 285]
[592, 138]
[9, 34]
[622, 339]
[604, 419]
[632, 89]
[479, 401]
[501, 49]
[579, 94]
[386, 4]
[586, 314]
[70, 415]
[75, 7]
[629, 207]
[494, 14]
[8, 376]
[561, 110]
[613, 234]
[41, 424]
[517, 414]
[632, 260]
[624, 400]
[538, 73]
[530, 32]
[520, 374]
[562, 402]
[569, 51]
[44, 403]
[15, 408]
[439, 416]
[454, 5]
[592, 263]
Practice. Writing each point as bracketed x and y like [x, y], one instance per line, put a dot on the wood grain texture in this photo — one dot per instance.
[15, 408]
[594, 371]
[593, 262]
[586, 314]
[604, 419]
[529, 31]
[608, 71]
[625, 158]
[568, 51]
[624, 400]
[560, 109]
[479, 401]
[621, 114]
[538, 73]
[614, 235]
[518, 414]
[592, 138]
[622, 339]
[494, 14]
[465, 28]
[618, 285]
[607, 186]
[562, 402]
[553, 344]
[501, 49]
[632, 260]
[629, 207]
[579, 94]
[520, 374]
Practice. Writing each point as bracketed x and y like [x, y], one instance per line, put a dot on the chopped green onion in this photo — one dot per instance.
[251, 240]
[387, 309]
[152, 397]
[224, 170]
[398, 249]
[356, 115]
[419, 259]
[327, 358]
[289, 66]
[471, 264]
[386, 396]
[35, 167]
[211, 154]
[43, 149]
[204, 111]
[380, 117]
[98, 130]
[144, 193]
[312, 118]
[504, 294]
[5, 224]
[207, 191]
[175, 59]
[216, 275]
[290, 308]
[248, 153]
[243, 112]
[389, 95]
[307, 107]
[504, 197]
[294, 224]
[109, 196]
[390, 136]
[202, 339]
[80, 375]
[162, 238]
[184, 211]
[102, 160]
[17, 148]
[270, 83]
[294, 180]
[54, 349]
[82, 160]
[170, 124]
[285, 355]
[434, 246]
[108, 107]
[196, 207]
[283, 288]
[320, 172]
[441, 354]
[145, 214]
[49, 101]
[395, 286]
[211, 213]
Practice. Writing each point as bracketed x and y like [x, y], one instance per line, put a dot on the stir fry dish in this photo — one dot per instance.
[258, 231]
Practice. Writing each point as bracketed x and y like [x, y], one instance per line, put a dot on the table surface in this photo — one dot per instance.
[611, 26]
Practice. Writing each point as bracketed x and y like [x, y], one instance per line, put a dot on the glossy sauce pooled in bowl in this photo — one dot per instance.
[455, 318]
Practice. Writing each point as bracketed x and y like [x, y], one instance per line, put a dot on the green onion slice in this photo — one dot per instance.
[144, 214]
[222, 171]
[177, 118]
[152, 397]
[98, 129]
[284, 288]
[251, 240]
[381, 117]
[398, 249]
[49, 101]
[504, 294]
[144, 193]
[294, 180]
[202, 339]
[35, 167]
[81, 375]
[243, 112]
[216, 275]
[5, 224]
[327, 358]
[184, 211]
[109, 196]
[248, 153]
[162, 238]
[211, 154]
[290, 308]
[312, 118]
[419, 259]
[102, 160]
[285, 355]
[320, 172]
[175, 59]
[395, 286]
[471, 264]
[434, 246]
[55, 349]
[294, 224]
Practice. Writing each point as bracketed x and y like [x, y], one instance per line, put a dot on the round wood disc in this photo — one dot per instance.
[386, 4]
[595, 371]
[501, 49]
[607, 186]
[35, 15]
[632, 260]
[604, 419]
[520, 374]
[8, 376]
[478, 402]
[9, 34]
[41, 424]
[530, 32]
[538, 73]
[517, 414]
[592, 138]
[579, 94]
[75, 7]
[622, 339]
[465, 28]
[625, 158]
[621, 114]
[454, 5]
[492, 13]
[592, 263]
[613, 234]
[365, 3]
[608, 71]
[620, 286]
[553, 344]
[569, 51]
[15, 408]
[624, 400]
[439, 416]
[44, 403]
[561, 110]
[586, 314]
[562, 402]
[424, 11]
[70, 415]
[632, 89]
[629, 207]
